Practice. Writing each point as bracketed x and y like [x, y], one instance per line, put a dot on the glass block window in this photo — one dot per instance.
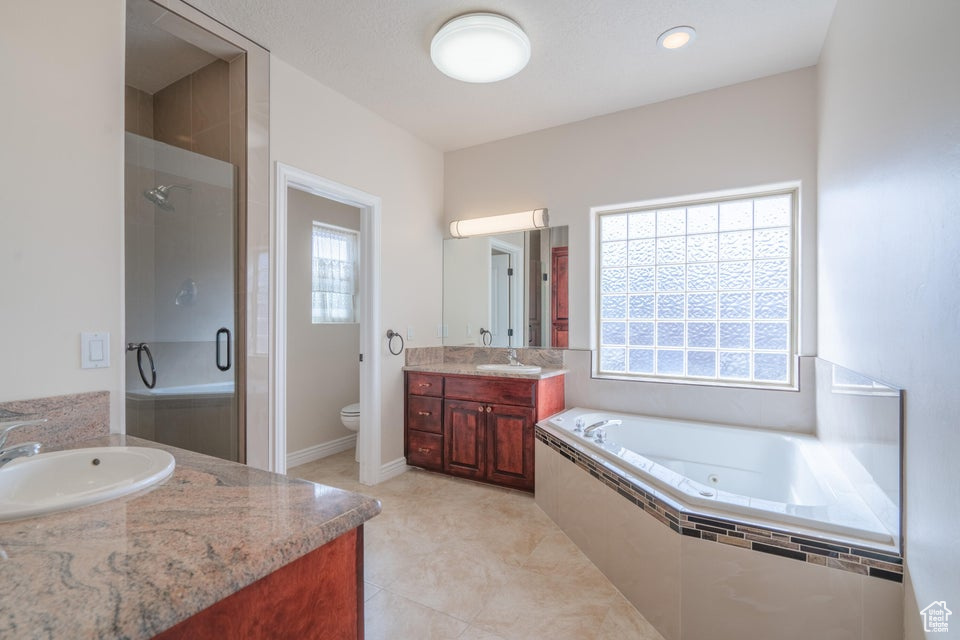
[334, 274]
[700, 291]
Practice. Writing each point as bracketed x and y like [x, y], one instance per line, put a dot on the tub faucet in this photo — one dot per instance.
[512, 354]
[596, 426]
[19, 450]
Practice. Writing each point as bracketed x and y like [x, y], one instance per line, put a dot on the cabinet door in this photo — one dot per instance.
[510, 446]
[464, 438]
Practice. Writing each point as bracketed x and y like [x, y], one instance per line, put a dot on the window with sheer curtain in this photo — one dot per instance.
[334, 274]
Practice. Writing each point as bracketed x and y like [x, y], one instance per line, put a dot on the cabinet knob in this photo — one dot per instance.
[489, 409]
[480, 409]
[423, 450]
[423, 413]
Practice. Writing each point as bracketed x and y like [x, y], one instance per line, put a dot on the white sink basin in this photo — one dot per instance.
[511, 368]
[62, 480]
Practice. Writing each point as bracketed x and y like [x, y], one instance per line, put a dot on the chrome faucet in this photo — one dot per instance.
[19, 451]
[512, 354]
[597, 426]
[25, 449]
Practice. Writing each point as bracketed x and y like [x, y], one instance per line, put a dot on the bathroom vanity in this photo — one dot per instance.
[218, 549]
[475, 426]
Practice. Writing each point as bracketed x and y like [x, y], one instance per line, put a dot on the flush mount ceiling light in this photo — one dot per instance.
[677, 38]
[480, 47]
[509, 222]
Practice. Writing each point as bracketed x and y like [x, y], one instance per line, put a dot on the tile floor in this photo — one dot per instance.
[450, 558]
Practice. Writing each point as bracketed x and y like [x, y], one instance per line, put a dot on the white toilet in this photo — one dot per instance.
[350, 417]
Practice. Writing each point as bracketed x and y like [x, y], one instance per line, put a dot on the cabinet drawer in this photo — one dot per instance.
[425, 384]
[425, 413]
[425, 450]
[494, 390]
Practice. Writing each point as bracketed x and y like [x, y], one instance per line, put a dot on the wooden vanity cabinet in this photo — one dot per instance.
[423, 426]
[318, 596]
[486, 430]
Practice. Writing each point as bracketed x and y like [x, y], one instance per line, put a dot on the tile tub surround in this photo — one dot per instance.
[690, 587]
[137, 566]
[70, 418]
[833, 553]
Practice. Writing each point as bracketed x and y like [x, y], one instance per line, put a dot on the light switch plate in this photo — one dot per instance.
[94, 350]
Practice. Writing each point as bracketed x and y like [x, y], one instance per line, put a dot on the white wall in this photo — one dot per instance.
[61, 196]
[889, 246]
[323, 370]
[318, 130]
[750, 134]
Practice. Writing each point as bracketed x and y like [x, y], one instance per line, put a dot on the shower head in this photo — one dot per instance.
[159, 195]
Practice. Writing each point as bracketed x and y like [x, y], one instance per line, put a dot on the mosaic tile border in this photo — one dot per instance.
[820, 551]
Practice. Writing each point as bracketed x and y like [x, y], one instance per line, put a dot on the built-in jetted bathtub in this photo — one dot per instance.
[777, 480]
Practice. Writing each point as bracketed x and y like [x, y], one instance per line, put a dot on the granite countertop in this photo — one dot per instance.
[470, 369]
[135, 566]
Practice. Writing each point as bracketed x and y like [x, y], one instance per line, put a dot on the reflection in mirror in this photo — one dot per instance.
[513, 286]
[859, 419]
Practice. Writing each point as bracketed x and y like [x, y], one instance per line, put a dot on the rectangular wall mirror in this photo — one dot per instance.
[507, 290]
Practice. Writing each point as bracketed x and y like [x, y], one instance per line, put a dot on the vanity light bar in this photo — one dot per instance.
[521, 221]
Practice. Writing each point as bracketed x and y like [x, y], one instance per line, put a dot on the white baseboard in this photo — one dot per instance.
[303, 456]
[392, 469]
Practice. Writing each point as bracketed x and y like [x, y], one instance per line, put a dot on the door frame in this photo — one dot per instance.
[516, 314]
[368, 438]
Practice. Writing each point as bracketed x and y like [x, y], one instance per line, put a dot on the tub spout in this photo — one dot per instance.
[589, 431]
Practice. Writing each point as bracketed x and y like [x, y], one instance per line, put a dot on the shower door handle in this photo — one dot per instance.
[226, 332]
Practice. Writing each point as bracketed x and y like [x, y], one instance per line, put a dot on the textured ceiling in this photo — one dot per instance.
[590, 57]
[162, 47]
[154, 57]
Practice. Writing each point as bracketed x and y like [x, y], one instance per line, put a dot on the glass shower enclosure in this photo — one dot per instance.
[180, 258]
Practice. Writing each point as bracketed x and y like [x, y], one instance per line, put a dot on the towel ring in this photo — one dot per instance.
[140, 349]
[486, 337]
[391, 334]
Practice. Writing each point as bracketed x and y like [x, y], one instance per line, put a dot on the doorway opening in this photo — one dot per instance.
[352, 348]
[323, 328]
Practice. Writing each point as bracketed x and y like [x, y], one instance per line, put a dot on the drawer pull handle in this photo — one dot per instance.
[425, 384]
[423, 450]
[423, 413]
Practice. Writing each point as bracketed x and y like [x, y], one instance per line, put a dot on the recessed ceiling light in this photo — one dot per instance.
[480, 47]
[677, 37]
